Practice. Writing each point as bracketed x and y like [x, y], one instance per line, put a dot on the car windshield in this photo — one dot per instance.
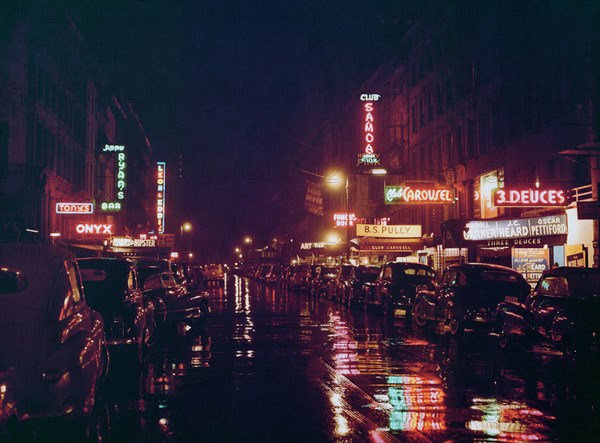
[330, 272]
[414, 274]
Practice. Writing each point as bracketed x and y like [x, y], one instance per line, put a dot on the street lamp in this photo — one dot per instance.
[187, 227]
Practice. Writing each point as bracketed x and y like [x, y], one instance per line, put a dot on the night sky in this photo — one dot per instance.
[223, 90]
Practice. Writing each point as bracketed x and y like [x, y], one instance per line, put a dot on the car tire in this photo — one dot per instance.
[418, 315]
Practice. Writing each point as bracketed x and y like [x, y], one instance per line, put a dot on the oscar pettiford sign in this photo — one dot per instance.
[525, 232]
[389, 231]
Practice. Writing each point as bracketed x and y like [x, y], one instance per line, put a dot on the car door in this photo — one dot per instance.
[384, 287]
[448, 300]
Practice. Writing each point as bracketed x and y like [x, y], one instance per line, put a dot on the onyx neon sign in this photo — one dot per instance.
[92, 228]
[518, 198]
[368, 156]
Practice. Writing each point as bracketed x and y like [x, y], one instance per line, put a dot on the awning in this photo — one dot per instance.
[383, 245]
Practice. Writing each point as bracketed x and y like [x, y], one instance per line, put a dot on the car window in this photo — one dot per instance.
[74, 283]
[387, 272]
[131, 283]
[12, 281]
[153, 282]
[553, 285]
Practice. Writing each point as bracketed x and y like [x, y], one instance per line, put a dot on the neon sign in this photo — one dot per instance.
[418, 193]
[341, 219]
[368, 156]
[128, 242]
[505, 197]
[160, 196]
[74, 208]
[91, 228]
[116, 206]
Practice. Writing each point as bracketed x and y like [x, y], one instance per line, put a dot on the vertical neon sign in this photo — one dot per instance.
[368, 156]
[160, 196]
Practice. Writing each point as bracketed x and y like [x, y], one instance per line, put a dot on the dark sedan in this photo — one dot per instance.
[352, 288]
[563, 309]
[112, 288]
[468, 296]
[52, 350]
[320, 282]
[393, 292]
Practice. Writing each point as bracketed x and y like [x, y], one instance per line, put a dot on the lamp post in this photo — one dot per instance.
[187, 227]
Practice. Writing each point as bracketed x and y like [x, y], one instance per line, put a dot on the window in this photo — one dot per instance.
[387, 273]
[554, 286]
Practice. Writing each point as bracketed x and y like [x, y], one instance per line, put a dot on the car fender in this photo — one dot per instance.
[515, 317]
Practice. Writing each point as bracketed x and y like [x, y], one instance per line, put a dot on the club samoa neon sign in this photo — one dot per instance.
[518, 198]
[367, 156]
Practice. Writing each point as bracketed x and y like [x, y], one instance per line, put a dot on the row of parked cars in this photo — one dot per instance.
[62, 320]
[562, 309]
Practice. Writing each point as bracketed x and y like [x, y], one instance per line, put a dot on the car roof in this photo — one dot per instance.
[41, 264]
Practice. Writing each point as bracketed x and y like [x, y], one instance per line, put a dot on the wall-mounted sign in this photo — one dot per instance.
[161, 175]
[121, 179]
[367, 155]
[531, 262]
[389, 231]
[344, 219]
[110, 206]
[128, 242]
[418, 193]
[74, 208]
[92, 228]
[576, 256]
[508, 197]
[309, 246]
[535, 231]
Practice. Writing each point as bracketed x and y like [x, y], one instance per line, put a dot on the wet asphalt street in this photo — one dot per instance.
[273, 366]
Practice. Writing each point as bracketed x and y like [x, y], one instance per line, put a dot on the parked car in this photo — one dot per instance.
[563, 309]
[52, 350]
[324, 276]
[275, 275]
[179, 302]
[214, 273]
[298, 279]
[394, 290]
[350, 288]
[336, 286]
[468, 296]
[112, 288]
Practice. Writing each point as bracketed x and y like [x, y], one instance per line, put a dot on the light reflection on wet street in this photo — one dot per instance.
[277, 366]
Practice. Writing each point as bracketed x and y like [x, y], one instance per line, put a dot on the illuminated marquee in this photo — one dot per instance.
[128, 242]
[74, 208]
[368, 156]
[341, 219]
[116, 206]
[517, 232]
[388, 231]
[418, 193]
[506, 197]
[160, 195]
[96, 229]
[309, 246]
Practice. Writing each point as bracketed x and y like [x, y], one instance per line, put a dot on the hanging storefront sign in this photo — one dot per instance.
[388, 231]
[418, 193]
[529, 198]
[161, 176]
[74, 208]
[121, 179]
[128, 242]
[531, 262]
[93, 228]
[367, 156]
[387, 245]
[526, 232]
[341, 219]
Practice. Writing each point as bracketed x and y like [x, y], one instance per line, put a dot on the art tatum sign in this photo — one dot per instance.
[418, 194]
